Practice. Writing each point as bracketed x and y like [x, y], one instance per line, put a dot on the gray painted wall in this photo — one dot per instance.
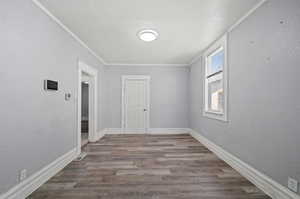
[263, 96]
[36, 126]
[168, 93]
[264, 109]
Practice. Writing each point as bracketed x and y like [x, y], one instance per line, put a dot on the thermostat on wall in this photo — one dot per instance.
[50, 85]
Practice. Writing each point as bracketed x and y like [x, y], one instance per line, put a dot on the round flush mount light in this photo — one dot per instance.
[148, 35]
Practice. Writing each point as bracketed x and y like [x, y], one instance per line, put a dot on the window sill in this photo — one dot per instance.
[215, 115]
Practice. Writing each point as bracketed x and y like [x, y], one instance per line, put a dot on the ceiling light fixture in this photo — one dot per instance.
[148, 35]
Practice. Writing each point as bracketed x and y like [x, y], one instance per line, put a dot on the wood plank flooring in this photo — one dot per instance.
[148, 167]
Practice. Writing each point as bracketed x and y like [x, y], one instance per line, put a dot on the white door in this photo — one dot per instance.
[136, 104]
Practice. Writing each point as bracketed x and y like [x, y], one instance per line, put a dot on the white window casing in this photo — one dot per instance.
[216, 82]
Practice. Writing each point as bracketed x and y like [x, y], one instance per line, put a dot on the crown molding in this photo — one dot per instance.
[65, 28]
[248, 14]
[230, 29]
[83, 44]
[194, 60]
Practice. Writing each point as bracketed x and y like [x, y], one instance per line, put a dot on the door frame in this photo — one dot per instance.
[147, 122]
[93, 101]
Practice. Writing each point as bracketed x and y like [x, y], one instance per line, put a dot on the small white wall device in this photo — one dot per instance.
[67, 96]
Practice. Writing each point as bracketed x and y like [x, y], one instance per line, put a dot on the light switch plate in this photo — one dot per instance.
[67, 96]
[23, 175]
[293, 185]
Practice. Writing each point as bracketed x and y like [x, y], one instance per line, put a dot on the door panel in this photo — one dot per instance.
[135, 103]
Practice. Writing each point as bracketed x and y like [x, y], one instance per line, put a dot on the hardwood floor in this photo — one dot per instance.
[148, 167]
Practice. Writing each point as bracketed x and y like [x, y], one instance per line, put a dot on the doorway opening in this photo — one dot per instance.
[87, 105]
[84, 110]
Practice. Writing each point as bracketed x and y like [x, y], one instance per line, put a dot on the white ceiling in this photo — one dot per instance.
[185, 27]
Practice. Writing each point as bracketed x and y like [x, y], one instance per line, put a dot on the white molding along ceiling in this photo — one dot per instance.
[112, 36]
[231, 28]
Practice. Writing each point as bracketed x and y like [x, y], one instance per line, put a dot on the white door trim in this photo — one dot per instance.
[135, 77]
[93, 99]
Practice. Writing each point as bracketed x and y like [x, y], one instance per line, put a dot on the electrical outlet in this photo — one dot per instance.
[293, 185]
[23, 175]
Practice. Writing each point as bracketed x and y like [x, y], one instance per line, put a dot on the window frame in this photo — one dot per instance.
[212, 50]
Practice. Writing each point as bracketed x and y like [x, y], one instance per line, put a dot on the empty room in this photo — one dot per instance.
[160, 99]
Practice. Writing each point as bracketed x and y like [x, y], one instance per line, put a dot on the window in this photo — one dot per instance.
[215, 78]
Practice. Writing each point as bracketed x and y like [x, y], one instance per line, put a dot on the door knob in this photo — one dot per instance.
[145, 109]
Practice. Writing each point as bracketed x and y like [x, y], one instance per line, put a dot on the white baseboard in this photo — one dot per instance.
[112, 131]
[100, 134]
[29, 185]
[265, 183]
[168, 131]
[153, 131]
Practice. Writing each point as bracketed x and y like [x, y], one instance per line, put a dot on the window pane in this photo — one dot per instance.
[216, 62]
[215, 95]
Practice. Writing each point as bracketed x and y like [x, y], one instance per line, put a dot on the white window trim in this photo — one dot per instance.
[206, 113]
